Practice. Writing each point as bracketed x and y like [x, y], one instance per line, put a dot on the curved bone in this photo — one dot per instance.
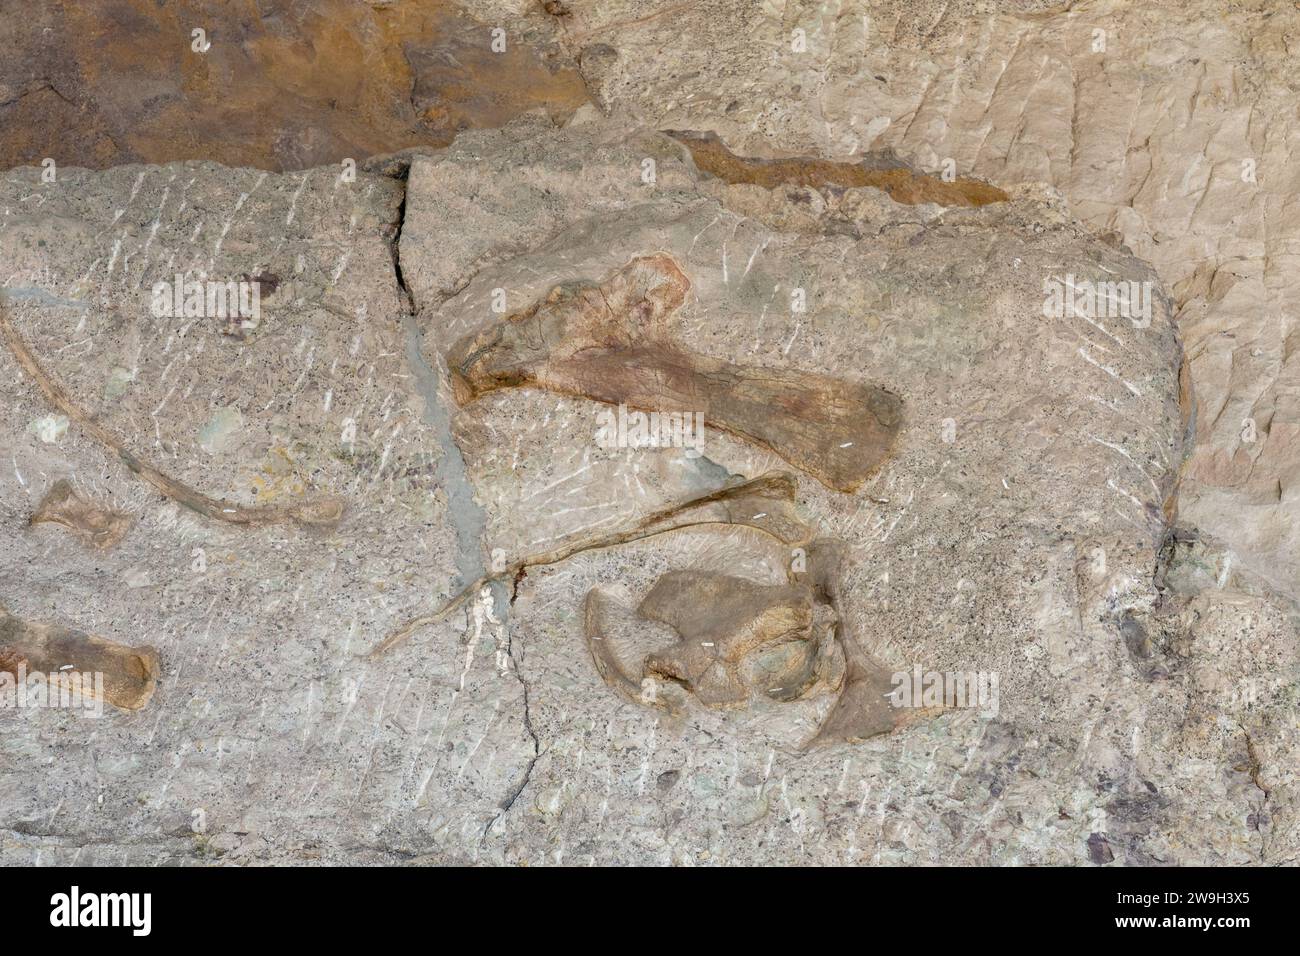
[321, 511]
[765, 504]
[595, 614]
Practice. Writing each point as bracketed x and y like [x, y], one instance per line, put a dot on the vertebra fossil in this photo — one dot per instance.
[722, 620]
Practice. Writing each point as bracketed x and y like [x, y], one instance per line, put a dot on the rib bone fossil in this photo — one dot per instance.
[765, 504]
[609, 342]
[321, 511]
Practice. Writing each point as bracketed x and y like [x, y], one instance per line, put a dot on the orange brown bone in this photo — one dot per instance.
[98, 527]
[903, 184]
[720, 620]
[596, 615]
[609, 342]
[130, 673]
[864, 708]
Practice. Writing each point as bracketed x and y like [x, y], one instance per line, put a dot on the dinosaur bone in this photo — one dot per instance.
[129, 673]
[609, 342]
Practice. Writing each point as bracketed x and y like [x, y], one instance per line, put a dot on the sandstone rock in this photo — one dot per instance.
[1166, 124]
[104, 82]
[369, 593]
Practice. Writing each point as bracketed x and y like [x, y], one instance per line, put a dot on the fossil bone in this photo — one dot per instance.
[765, 504]
[721, 619]
[863, 708]
[609, 342]
[98, 527]
[130, 673]
[596, 613]
[324, 511]
[902, 183]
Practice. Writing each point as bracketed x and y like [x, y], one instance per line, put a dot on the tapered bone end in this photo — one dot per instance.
[505, 355]
[866, 442]
[463, 387]
[320, 513]
[864, 708]
[134, 681]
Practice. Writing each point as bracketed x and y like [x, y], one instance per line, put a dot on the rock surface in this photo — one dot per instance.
[1070, 505]
[277, 84]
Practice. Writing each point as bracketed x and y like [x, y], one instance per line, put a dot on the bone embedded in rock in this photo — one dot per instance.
[863, 708]
[903, 183]
[100, 528]
[598, 612]
[720, 620]
[105, 670]
[325, 511]
[765, 504]
[609, 342]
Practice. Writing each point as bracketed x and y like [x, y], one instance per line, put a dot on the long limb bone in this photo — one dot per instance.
[609, 343]
[129, 673]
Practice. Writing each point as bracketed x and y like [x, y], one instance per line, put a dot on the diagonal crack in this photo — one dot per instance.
[509, 802]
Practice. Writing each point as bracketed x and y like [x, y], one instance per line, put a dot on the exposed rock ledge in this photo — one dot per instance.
[1018, 519]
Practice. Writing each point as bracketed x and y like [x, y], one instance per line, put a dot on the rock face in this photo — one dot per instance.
[714, 474]
[1168, 125]
[277, 85]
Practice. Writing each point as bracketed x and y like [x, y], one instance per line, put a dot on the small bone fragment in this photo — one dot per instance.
[765, 504]
[324, 511]
[609, 342]
[596, 613]
[864, 708]
[130, 673]
[98, 527]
